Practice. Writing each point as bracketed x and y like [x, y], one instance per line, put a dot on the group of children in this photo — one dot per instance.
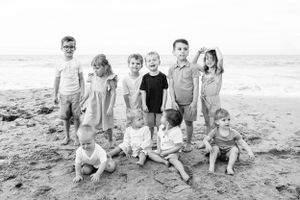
[145, 98]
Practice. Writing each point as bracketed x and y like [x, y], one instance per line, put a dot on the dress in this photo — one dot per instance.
[98, 102]
[210, 90]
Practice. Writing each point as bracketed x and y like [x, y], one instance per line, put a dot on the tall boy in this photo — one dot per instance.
[132, 83]
[69, 84]
[154, 91]
[184, 87]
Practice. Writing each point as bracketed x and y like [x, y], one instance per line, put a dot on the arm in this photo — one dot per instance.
[220, 59]
[56, 87]
[194, 103]
[172, 94]
[126, 99]
[112, 101]
[207, 144]
[78, 176]
[164, 100]
[126, 94]
[247, 148]
[96, 176]
[82, 85]
[197, 55]
[144, 105]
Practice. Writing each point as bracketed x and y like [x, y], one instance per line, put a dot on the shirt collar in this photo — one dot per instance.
[186, 64]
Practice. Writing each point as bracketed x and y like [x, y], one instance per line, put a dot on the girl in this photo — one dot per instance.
[211, 83]
[224, 142]
[170, 141]
[137, 138]
[102, 96]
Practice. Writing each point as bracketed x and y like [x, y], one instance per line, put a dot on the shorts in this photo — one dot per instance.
[209, 105]
[70, 106]
[152, 119]
[224, 152]
[187, 113]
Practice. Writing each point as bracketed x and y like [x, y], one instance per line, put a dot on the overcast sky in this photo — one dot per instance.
[126, 26]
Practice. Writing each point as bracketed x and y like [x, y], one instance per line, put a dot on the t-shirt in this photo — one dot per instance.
[228, 141]
[154, 86]
[68, 71]
[98, 156]
[183, 77]
[169, 139]
[131, 86]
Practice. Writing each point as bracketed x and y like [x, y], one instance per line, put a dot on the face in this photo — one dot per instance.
[68, 48]
[181, 51]
[209, 60]
[138, 122]
[99, 70]
[87, 143]
[134, 65]
[224, 122]
[152, 63]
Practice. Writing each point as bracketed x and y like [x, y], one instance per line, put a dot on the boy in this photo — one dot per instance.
[184, 87]
[132, 83]
[90, 157]
[70, 84]
[154, 91]
[224, 142]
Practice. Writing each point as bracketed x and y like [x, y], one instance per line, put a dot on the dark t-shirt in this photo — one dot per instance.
[154, 86]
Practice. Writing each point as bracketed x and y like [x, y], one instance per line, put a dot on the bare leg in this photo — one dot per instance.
[76, 126]
[155, 157]
[67, 131]
[152, 131]
[189, 132]
[109, 134]
[233, 154]
[142, 159]
[212, 158]
[114, 152]
[178, 165]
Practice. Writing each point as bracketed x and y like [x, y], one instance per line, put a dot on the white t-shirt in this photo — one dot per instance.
[68, 71]
[169, 139]
[132, 88]
[98, 156]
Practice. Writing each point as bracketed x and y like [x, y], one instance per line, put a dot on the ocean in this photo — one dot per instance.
[258, 75]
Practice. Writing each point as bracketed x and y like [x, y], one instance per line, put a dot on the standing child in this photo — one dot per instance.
[184, 87]
[90, 157]
[69, 84]
[137, 138]
[170, 141]
[224, 142]
[154, 91]
[102, 96]
[211, 84]
[132, 82]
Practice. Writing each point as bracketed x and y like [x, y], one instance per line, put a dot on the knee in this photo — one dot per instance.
[188, 123]
[86, 169]
[215, 149]
[234, 150]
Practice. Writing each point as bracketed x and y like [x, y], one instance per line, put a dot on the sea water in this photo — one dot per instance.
[258, 75]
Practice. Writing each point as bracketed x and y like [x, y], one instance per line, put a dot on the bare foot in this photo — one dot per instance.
[229, 171]
[140, 164]
[186, 177]
[211, 171]
[65, 141]
[188, 148]
[167, 163]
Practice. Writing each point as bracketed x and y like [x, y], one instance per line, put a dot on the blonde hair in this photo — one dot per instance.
[133, 114]
[86, 131]
[152, 53]
[221, 113]
[100, 60]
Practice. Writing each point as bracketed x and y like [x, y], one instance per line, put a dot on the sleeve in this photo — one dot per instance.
[165, 82]
[112, 82]
[125, 86]
[78, 158]
[195, 71]
[90, 77]
[177, 137]
[102, 155]
[80, 69]
[237, 135]
[126, 138]
[57, 71]
[147, 138]
[170, 72]
[143, 84]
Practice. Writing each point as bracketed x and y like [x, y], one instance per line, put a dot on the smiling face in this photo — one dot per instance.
[134, 65]
[223, 122]
[152, 62]
[209, 60]
[181, 51]
[68, 48]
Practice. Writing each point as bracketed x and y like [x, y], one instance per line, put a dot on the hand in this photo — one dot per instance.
[162, 108]
[251, 156]
[109, 111]
[193, 107]
[77, 179]
[95, 177]
[145, 108]
[208, 148]
[163, 153]
[56, 100]
[175, 105]
[168, 157]
[202, 50]
[128, 152]
[157, 151]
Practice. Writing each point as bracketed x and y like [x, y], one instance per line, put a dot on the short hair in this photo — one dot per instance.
[67, 39]
[100, 60]
[152, 53]
[86, 130]
[133, 114]
[221, 113]
[213, 53]
[184, 41]
[174, 117]
[137, 57]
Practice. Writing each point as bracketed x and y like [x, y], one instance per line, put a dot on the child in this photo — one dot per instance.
[224, 142]
[154, 91]
[102, 96]
[170, 141]
[132, 83]
[137, 138]
[184, 87]
[90, 157]
[211, 84]
[70, 84]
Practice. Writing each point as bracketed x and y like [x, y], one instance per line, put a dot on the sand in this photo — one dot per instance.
[33, 164]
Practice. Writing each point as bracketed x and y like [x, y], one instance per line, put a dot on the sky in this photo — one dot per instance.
[237, 27]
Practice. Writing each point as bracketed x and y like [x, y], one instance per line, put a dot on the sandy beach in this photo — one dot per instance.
[40, 168]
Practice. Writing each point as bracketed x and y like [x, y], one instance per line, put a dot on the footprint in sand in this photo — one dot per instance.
[297, 133]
